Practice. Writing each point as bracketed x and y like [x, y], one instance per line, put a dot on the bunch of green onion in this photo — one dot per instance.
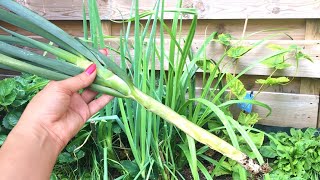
[74, 55]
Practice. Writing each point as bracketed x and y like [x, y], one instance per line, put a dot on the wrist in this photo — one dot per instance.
[37, 136]
[28, 148]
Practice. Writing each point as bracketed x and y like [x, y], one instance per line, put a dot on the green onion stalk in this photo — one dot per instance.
[74, 55]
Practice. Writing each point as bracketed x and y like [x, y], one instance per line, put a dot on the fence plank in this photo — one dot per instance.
[214, 52]
[250, 85]
[294, 28]
[62, 9]
[218, 9]
[306, 68]
[288, 110]
[294, 110]
[312, 86]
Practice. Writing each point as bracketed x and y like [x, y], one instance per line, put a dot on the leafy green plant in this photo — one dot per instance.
[14, 94]
[17, 91]
[295, 155]
[280, 62]
[273, 81]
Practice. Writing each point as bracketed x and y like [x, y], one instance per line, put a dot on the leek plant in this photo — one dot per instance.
[144, 95]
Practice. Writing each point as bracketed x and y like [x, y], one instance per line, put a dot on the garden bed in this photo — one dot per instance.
[220, 75]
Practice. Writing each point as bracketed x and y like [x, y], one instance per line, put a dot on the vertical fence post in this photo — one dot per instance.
[312, 85]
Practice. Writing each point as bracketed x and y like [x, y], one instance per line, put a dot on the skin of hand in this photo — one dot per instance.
[47, 124]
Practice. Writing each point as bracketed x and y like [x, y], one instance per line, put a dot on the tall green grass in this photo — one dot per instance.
[150, 139]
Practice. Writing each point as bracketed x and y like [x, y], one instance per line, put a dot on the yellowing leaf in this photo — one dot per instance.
[257, 138]
[224, 39]
[248, 119]
[273, 81]
[275, 47]
[236, 87]
[238, 51]
[282, 65]
[272, 62]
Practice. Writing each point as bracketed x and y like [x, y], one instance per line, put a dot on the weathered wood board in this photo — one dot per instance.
[214, 52]
[294, 110]
[217, 9]
[286, 29]
[291, 110]
[312, 86]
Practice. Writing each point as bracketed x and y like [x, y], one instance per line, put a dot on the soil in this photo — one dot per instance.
[188, 175]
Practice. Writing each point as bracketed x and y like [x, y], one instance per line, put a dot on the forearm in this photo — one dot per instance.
[28, 154]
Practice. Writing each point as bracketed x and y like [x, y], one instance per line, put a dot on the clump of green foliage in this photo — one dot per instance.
[14, 95]
[281, 62]
[295, 155]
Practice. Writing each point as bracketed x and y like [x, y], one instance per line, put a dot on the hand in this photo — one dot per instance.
[60, 110]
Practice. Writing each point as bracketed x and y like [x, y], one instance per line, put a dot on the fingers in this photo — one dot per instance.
[80, 81]
[88, 95]
[96, 105]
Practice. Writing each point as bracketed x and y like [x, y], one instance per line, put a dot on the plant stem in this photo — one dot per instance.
[196, 132]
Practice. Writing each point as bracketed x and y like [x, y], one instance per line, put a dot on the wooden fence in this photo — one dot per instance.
[294, 105]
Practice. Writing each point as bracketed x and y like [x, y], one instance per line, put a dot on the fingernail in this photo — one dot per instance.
[91, 69]
[104, 51]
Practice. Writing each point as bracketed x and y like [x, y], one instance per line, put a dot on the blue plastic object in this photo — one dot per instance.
[245, 106]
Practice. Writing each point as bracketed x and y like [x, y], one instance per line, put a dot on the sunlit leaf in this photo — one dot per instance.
[224, 39]
[236, 87]
[275, 47]
[238, 51]
[257, 138]
[273, 81]
[282, 65]
[248, 119]
[274, 61]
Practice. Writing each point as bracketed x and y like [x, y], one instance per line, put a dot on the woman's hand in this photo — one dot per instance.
[49, 121]
[60, 110]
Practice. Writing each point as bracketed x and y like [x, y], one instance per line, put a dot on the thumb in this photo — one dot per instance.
[80, 81]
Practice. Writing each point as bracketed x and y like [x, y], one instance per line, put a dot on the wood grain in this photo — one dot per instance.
[291, 110]
[312, 86]
[62, 9]
[218, 9]
[288, 110]
[7, 73]
[293, 28]
[214, 52]
[71, 27]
